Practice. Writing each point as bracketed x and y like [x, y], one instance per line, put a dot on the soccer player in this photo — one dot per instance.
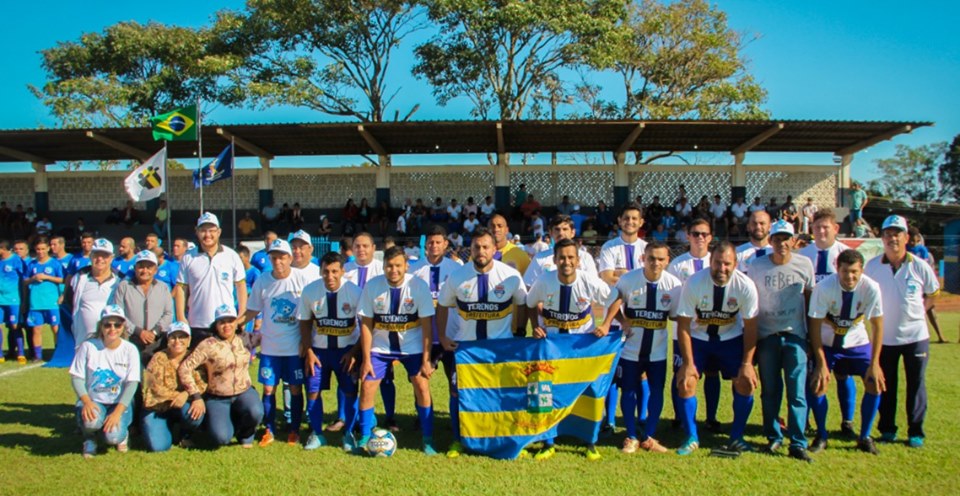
[758, 230]
[90, 289]
[784, 283]
[82, 259]
[260, 259]
[717, 321]
[909, 287]
[58, 250]
[11, 281]
[561, 227]
[646, 298]
[167, 270]
[823, 253]
[434, 270]
[328, 321]
[123, 264]
[277, 294]
[484, 292]
[507, 252]
[565, 297]
[395, 309]
[839, 341]
[180, 248]
[44, 276]
[625, 252]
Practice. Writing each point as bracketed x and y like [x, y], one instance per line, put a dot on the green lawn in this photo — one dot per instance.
[39, 451]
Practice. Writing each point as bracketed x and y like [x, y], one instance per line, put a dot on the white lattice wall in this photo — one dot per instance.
[665, 183]
[320, 188]
[459, 183]
[17, 190]
[585, 185]
[821, 186]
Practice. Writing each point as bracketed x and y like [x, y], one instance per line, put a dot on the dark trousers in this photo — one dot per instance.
[915, 357]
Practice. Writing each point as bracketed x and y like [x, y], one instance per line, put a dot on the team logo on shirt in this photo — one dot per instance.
[162, 273]
[408, 304]
[7, 268]
[665, 300]
[705, 303]
[549, 300]
[47, 270]
[283, 311]
[583, 303]
[224, 276]
[465, 291]
[635, 298]
[732, 303]
[346, 309]
[379, 305]
[499, 290]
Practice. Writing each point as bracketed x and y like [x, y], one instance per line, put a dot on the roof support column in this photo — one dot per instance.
[738, 178]
[843, 179]
[41, 195]
[265, 183]
[621, 181]
[383, 180]
[501, 182]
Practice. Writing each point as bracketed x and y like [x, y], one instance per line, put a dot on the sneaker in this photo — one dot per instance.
[915, 442]
[819, 444]
[800, 454]
[545, 454]
[592, 454]
[428, 448]
[349, 442]
[524, 454]
[315, 441]
[456, 449]
[360, 447]
[653, 446]
[733, 449]
[293, 439]
[392, 425]
[3, 359]
[267, 439]
[714, 426]
[888, 437]
[336, 426]
[22, 360]
[688, 447]
[630, 445]
[867, 445]
[774, 447]
[123, 446]
[846, 429]
[89, 449]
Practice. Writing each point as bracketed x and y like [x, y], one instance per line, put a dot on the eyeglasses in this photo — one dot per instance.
[699, 234]
[178, 337]
[115, 325]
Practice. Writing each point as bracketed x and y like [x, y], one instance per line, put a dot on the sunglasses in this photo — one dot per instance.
[178, 337]
[699, 234]
[113, 324]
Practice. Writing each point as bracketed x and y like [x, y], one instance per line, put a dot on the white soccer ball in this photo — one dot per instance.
[382, 443]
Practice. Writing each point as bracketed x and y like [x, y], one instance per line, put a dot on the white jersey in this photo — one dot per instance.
[718, 310]
[646, 307]
[687, 265]
[333, 313]
[278, 299]
[618, 254]
[396, 314]
[485, 301]
[824, 261]
[567, 309]
[904, 314]
[104, 370]
[212, 282]
[353, 272]
[844, 312]
[435, 276]
[311, 272]
[748, 251]
[543, 262]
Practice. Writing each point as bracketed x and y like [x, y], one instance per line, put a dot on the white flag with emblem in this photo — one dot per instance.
[146, 182]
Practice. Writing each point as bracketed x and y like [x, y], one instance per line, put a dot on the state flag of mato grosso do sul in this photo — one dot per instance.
[178, 125]
[514, 392]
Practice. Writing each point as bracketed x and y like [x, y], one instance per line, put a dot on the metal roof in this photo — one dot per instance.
[425, 137]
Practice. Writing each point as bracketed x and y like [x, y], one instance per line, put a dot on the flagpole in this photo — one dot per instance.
[200, 151]
[233, 182]
[166, 196]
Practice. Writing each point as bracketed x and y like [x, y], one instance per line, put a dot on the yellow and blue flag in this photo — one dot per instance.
[176, 125]
[514, 392]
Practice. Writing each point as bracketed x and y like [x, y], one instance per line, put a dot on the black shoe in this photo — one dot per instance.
[714, 426]
[800, 454]
[846, 429]
[867, 446]
[774, 447]
[732, 450]
[819, 444]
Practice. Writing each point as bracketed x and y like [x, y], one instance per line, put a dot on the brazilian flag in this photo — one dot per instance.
[177, 125]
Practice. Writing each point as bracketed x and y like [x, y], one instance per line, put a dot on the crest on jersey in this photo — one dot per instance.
[7, 268]
[465, 291]
[583, 303]
[499, 290]
[705, 303]
[379, 305]
[317, 307]
[665, 300]
[224, 276]
[408, 304]
[732, 302]
[47, 270]
[635, 298]
[346, 309]
[549, 300]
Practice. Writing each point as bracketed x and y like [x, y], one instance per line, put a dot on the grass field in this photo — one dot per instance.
[39, 452]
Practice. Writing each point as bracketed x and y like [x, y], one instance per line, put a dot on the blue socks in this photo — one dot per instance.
[711, 393]
[628, 408]
[425, 415]
[689, 416]
[742, 406]
[819, 407]
[269, 412]
[388, 391]
[847, 395]
[643, 404]
[341, 407]
[296, 411]
[350, 407]
[455, 417]
[367, 421]
[868, 411]
[654, 408]
[613, 395]
[315, 408]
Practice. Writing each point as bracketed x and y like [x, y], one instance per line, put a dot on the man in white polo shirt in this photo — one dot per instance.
[908, 287]
[208, 278]
[91, 288]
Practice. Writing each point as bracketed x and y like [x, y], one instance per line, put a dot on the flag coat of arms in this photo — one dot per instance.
[514, 392]
[146, 181]
[217, 169]
[177, 125]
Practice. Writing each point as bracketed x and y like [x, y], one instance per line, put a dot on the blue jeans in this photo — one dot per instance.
[229, 415]
[157, 426]
[785, 353]
[91, 429]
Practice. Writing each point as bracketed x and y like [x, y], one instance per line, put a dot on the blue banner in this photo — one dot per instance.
[220, 168]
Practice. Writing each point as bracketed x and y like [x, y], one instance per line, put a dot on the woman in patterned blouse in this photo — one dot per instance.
[165, 398]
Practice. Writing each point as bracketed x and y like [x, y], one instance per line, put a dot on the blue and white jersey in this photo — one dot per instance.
[436, 276]
[333, 314]
[123, 268]
[748, 251]
[484, 301]
[824, 261]
[843, 312]
[278, 299]
[261, 260]
[647, 306]
[396, 314]
[12, 273]
[568, 308]
[78, 263]
[167, 273]
[717, 311]
[44, 294]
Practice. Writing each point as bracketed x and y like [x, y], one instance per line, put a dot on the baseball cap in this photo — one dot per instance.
[191, 245]
[224, 312]
[112, 311]
[895, 222]
[145, 256]
[302, 236]
[782, 227]
[208, 218]
[103, 246]
[178, 327]
[576, 208]
[281, 246]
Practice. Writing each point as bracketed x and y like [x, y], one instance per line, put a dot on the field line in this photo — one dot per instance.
[22, 369]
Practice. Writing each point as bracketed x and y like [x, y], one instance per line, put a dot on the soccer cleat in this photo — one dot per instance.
[867, 445]
[545, 454]
[714, 426]
[524, 454]
[888, 437]
[293, 438]
[688, 447]
[89, 449]
[428, 448]
[392, 426]
[349, 442]
[22, 360]
[733, 449]
[592, 454]
[774, 447]
[267, 439]
[315, 441]
[653, 446]
[915, 442]
[336, 426]
[846, 429]
[800, 454]
[630, 445]
[3, 359]
[456, 449]
[360, 447]
[819, 444]
[123, 446]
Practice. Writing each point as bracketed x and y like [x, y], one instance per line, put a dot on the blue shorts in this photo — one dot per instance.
[384, 361]
[721, 356]
[849, 361]
[712, 366]
[630, 373]
[10, 314]
[274, 369]
[330, 365]
[40, 317]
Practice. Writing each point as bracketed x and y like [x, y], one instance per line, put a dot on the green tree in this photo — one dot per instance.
[912, 174]
[950, 170]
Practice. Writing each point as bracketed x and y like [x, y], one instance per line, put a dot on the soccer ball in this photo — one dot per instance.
[381, 443]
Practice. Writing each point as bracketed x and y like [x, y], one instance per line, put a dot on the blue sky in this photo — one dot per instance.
[850, 60]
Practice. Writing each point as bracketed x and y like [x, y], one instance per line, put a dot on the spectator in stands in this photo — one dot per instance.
[148, 306]
[454, 217]
[160, 218]
[738, 215]
[858, 201]
[285, 214]
[350, 215]
[757, 205]
[246, 227]
[536, 225]
[44, 226]
[165, 400]
[364, 214]
[419, 214]
[401, 225]
[542, 243]
[790, 213]
[271, 215]
[411, 250]
[326, 228]
[528, 208]
[681, 235]
[668, 221]
[487, 209]
[702, 210]
[383, 216]
[808, 211]
[681, 194]
[470, 225]
[565, 207]
[589, 235]
[519, 198]
[660, 234]
[130, 214]
[602, 217]
[638, 200]
[577, 219]
[470, 206]
[773, 208]
[456, 241]
[31, 216]
[718, 214]
[438, 213]
[296, 217]
[654, 212]
[114, 217]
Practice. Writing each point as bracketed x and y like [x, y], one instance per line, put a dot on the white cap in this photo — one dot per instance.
[112, 311]
[302, 236]
[178, 327]
[516, 237]
[191, 245]
[225, 311]
[895, 222]
[103, 246]
[208, 218]
[281, 246]
[576, 208]
[782, 227]
[145, 256]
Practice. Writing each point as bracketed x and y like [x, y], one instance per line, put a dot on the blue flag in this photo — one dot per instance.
[514, 392]
[219, 168]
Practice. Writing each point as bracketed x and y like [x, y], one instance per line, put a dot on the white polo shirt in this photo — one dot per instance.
[844, 315]
[568, 309]
[614, 255]
[718, 308]
[333, 313]
[824, 261]
[483, 309]
[647, 306]
[396, 314]
[89, 298]
[543, 262]
[278, 299]
[211, 282]
[904, 314]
